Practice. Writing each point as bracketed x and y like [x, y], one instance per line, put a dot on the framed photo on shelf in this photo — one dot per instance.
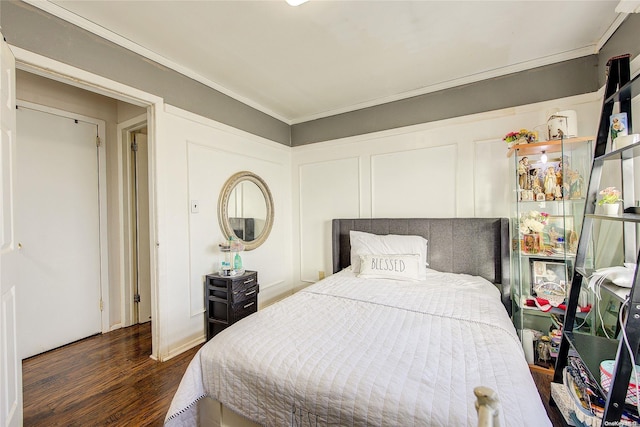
[548, 272]
[618, 125]
[558, 226]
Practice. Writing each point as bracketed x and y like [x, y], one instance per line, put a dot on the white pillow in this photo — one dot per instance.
[391, 244]
[398, 267]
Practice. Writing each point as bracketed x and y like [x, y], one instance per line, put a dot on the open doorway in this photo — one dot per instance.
[117, 115]
[137, 244]
[60, 196]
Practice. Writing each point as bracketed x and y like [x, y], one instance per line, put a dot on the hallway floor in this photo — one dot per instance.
[102, 380]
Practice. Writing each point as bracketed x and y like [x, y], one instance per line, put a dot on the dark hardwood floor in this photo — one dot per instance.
[103, 380]
[543, 379]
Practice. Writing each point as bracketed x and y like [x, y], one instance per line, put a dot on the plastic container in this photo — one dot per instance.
[606, 373]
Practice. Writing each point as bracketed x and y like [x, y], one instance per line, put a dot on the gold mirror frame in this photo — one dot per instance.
[223, 207]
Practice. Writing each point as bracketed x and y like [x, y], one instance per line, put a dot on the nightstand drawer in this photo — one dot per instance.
[244, 308]
[244, 283]
[245, 294]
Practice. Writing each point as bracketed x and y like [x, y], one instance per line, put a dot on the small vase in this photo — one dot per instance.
[532, 243]
[610, 208]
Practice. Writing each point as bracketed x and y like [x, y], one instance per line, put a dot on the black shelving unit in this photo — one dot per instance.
[592, 350]
[229, 299]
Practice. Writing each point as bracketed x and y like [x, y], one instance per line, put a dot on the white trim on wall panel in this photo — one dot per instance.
[204, 232]
[492, 172]
[236, 152]
[366, 201]
[415, 183]
[326, 189]
[196, 284]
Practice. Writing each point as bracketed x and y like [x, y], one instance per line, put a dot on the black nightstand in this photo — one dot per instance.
[229, 299]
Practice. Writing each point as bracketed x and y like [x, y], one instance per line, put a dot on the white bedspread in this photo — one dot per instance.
[349, 351]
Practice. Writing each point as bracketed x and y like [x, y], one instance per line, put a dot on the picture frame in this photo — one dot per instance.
[558, 226]
[545, 270]
[618, 125]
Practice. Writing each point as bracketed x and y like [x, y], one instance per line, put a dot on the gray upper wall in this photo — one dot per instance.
[559, 80]
[34, 30]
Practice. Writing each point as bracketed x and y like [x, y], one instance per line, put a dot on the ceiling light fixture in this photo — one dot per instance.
[543, 158]
[296, 2]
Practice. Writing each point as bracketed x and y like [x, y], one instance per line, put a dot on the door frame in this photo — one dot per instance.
[55, 70]
[102, 200]
[125, 130]
[11, 413]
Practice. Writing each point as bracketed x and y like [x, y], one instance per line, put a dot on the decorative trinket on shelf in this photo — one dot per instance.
[523, 136]
[532, 243]
[231, 265]
[544, 351]
[610, 200]
[610, 195]
[533, 222]
[531, 226]
[563, 124]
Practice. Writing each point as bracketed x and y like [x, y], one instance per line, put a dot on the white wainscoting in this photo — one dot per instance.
[414, 183]
[196, 158]
[452, 168]
[491, 200]
[330, 185]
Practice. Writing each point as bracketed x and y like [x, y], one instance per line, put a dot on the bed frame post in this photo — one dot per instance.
[487, 405]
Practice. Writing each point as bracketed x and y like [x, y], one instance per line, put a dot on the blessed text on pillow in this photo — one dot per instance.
[398, 267]
[390, 244]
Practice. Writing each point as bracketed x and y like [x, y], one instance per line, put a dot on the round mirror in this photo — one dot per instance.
[245, 209]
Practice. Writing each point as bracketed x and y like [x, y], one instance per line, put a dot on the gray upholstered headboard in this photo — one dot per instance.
[477, 246]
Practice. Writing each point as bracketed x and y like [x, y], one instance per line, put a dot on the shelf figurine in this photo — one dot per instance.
[523, 173]
[550, 183]
[576, 183]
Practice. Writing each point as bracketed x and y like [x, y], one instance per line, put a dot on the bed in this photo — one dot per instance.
[403, 338]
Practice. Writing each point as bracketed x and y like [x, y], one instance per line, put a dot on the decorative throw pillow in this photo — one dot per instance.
[390, 244]
[398, 267]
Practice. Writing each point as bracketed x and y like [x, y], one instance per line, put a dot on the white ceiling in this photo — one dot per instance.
[326, 57]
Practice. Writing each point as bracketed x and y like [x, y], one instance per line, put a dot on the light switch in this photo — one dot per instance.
[195, 206]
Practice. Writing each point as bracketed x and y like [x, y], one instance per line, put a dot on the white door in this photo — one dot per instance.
[10, 364]
[58, 228]
[141, 192]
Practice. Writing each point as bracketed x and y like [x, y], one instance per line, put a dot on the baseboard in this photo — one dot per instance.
[184, 347]
[542, 369]
[115, 327]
